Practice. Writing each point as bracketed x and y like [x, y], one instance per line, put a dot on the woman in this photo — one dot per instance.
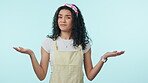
[67, 49]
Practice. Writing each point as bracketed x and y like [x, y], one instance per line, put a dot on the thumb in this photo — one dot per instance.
[21, 48]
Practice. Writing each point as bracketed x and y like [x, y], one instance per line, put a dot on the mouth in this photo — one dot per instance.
[63, 25]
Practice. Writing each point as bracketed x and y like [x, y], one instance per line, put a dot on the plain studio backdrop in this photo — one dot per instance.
[111, 24]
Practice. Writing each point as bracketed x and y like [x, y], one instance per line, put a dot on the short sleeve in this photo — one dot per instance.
[88, 46]
[46, 44]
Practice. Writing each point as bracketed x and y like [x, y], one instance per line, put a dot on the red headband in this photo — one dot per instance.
[72, 7]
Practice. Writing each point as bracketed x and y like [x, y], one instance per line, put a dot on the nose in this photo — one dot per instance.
[63, 20]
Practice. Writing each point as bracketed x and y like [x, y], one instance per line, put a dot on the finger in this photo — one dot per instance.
[14, 47]
[114, 51]
[122, 52]
[21, 48]
[119, 53]
[17, 49]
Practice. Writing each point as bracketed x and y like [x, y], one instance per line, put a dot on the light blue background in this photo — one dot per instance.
[111, 24]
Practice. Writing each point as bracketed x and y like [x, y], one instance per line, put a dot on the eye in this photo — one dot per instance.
[69, 17]
[59, 16]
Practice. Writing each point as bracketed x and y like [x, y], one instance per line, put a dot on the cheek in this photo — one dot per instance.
[58, 22]
[70, 22]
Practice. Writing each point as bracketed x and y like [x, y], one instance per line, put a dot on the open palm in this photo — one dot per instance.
[112, 54]
[22, 50]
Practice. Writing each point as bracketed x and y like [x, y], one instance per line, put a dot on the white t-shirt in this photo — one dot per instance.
[62, 44]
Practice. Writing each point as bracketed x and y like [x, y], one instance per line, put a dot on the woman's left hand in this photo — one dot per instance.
[112, 54]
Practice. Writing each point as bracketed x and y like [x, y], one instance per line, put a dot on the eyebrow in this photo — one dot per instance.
[65, 15]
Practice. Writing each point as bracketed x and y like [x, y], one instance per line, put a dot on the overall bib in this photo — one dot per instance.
[67, 66]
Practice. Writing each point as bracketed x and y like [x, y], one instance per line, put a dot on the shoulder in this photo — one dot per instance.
[47, 44]
[88, 46]
[48, 40]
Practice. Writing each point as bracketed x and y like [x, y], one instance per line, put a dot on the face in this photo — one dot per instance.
[65, 20]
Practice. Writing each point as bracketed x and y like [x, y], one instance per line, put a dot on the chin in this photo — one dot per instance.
[63, 28]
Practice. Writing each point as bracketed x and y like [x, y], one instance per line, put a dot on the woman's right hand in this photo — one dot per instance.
[22, 50]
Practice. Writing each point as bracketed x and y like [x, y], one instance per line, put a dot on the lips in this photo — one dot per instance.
[62, 24]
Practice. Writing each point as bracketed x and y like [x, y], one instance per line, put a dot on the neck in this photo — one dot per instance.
[66, 35]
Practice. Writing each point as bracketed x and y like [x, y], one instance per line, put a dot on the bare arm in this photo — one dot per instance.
[40, 69]
[91, 71]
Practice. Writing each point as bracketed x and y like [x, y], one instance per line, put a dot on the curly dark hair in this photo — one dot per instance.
[79, 33]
